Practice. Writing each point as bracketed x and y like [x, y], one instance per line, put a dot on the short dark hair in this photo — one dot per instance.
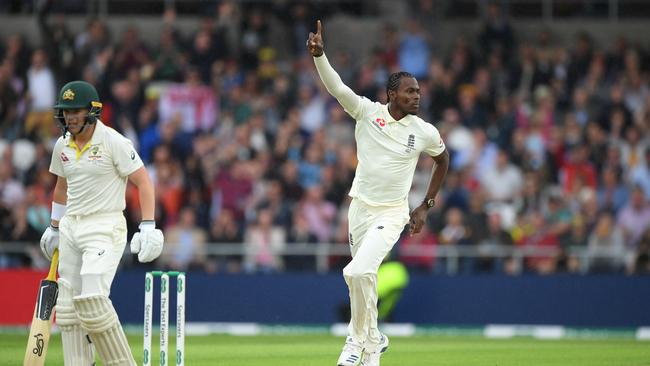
[394, 79]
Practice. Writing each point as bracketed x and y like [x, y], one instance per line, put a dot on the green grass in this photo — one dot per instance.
[321, 350]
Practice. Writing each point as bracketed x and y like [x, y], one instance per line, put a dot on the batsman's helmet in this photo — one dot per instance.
[77, 95]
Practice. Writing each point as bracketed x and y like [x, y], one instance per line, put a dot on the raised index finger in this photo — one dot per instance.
[318, 27]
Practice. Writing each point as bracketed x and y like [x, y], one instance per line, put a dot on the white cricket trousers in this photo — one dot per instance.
[90, 249]
[373, 232]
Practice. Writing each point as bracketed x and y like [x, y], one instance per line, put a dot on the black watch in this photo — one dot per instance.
[430, 202]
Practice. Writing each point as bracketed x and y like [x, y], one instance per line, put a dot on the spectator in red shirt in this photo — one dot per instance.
[577, 169]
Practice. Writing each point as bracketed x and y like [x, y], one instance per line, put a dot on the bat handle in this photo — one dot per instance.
[53, 265]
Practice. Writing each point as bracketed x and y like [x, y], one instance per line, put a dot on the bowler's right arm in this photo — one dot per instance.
[332, 81]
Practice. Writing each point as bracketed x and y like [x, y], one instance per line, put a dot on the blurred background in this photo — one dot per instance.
[544, 217]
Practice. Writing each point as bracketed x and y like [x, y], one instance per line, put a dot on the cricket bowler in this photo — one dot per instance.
[389, 141]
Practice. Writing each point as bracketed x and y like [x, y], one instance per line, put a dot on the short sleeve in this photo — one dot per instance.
[56, 165]
[125, 158]
[436, 145]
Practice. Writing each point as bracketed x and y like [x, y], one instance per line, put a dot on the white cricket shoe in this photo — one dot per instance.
[372, 358]
[351, 354]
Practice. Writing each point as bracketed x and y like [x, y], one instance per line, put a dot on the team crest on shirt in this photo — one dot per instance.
[64, 158]
[95, 154]
[410, 144]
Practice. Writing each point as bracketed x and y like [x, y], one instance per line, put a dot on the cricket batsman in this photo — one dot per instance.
[93, 164]
[389, 141]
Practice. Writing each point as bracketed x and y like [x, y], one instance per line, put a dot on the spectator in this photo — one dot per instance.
[309, 169]
[274, 201]
[640, 175]
[612, 194]
[634, 218]
[414, 51]
[168, 58]
[606, 246]
[185, 243]
[633, 148]
[455, 232]
[454, 194]
[320, 214]
[225, 230]
[42, 94]
[497, 35]
[9, 98]
[459, 139]
[12, 192]
[578, 171]
[545, 242]
[488, 246]
[504, 183]
[418, 252]
[299, 235]
[471, 112]
[130, 53]
[263, 243]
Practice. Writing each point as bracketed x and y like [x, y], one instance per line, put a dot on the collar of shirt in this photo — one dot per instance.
[406, 120]
[94, 140]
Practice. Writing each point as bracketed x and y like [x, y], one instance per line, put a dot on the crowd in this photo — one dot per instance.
[549, 142]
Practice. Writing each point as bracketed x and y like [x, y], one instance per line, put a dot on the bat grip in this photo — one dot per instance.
[53, 265]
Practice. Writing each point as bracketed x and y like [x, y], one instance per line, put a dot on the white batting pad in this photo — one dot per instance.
[99, 318]
[77, 348]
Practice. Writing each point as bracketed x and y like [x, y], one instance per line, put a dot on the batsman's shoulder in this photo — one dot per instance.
[116, 138]
[61, 141]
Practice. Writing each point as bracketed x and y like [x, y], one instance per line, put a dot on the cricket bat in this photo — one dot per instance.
[39, 335]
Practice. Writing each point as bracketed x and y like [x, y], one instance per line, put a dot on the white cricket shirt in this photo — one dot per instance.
[387, 150]
[97, 174]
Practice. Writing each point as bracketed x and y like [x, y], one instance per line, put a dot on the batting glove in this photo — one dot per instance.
[50, 241]
[148, 243]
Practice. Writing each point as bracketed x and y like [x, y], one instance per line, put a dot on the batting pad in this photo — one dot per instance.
[99, 319]
[66, 316]
[77, 348]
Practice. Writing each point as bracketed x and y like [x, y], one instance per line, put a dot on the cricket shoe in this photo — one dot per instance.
[351, 354]
[372, 358]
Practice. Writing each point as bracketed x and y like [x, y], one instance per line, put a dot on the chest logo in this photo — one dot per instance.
[380, 122]
[410, 144]
[64, 158]
[95, 154]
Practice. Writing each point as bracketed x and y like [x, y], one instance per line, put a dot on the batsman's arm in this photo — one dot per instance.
[146, 193]
[60, 198]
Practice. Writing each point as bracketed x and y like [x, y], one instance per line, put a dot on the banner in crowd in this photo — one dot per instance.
[195, 105]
